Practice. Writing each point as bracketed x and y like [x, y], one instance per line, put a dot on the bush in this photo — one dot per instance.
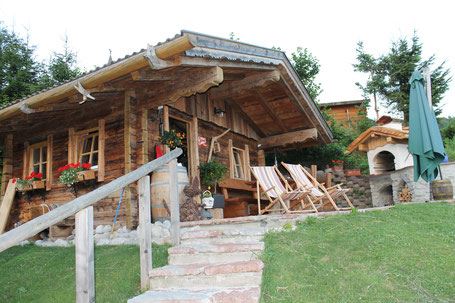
[450, 148]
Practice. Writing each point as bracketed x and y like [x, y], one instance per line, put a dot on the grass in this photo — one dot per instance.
[405, 254]
[44, 274]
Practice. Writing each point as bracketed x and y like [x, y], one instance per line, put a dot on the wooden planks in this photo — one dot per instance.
[7, 202]
[7, 163]
[194, 152]
[85, 261]
[144, 231]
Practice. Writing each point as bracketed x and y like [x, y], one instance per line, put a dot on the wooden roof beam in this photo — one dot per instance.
[244, 86]
[295, 137]
[270, 112]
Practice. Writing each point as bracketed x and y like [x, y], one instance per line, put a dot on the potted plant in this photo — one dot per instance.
[33, 181]
[211, 173]
[337, 165]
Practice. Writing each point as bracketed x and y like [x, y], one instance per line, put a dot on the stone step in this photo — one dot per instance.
[203, 276]
[201, 253]
[220, 237]
[227, 230]
[215, 295]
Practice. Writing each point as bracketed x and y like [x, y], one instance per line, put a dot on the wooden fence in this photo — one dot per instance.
[82, 208]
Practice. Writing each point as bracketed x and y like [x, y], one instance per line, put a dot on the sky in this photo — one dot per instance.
[329, 29]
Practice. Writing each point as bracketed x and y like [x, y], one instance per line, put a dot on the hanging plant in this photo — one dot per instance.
[172, 139]
[211, 173]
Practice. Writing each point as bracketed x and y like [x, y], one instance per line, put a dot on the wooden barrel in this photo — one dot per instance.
[160, 191]
[442, 190]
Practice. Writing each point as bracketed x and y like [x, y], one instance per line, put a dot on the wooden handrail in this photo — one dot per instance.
[31, 228]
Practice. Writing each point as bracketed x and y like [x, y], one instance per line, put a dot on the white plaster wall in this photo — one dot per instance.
[400, 151]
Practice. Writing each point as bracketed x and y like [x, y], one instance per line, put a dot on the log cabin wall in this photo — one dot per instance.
[30, 204]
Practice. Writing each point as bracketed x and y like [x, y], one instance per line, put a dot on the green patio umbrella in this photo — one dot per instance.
[425, 142]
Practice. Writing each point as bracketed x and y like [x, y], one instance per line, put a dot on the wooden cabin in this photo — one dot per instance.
[113, 116]
[347, 113]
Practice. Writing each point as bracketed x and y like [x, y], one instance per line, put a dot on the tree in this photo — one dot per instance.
[389, 74]
[307, 67]
[61, 67]
[19, 71]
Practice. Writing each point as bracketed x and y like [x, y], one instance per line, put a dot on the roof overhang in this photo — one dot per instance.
[373, 133]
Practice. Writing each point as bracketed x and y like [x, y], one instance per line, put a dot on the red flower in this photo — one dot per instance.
[86, 166]
[63, 168]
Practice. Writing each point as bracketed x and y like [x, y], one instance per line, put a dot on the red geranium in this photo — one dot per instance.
[86, 166]
[34, 176]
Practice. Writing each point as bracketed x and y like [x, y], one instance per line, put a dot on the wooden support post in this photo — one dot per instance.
[261, 157]
[246, 158]
[194, 153]
[127, 152]
[145, 231]
[49, 174]
[174, 203]
[314, 173]
[328, 180]
[101, 149]
[7, 163]
[166, 123]
[85, 262]
[144, 137]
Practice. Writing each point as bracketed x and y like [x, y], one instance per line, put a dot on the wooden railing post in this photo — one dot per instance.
[85, 263]
[174, 203]
[145, 231]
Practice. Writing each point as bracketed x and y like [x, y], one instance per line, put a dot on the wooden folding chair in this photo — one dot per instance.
[270, 184]
[318, 192]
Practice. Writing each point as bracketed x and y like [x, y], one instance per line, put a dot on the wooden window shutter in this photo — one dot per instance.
[246, 166]
[26, 164]
[71, 145]
[101, 149]
[49, 173]
[231, 159]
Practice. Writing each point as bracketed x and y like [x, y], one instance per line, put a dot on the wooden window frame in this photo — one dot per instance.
[75, 145]
[41, 162]
[244, 155]
[28, 159]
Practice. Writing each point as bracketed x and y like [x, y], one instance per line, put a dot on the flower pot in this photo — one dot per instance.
[86, 175]
[352, 172]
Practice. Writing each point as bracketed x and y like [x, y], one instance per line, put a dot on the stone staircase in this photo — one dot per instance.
[213, 264]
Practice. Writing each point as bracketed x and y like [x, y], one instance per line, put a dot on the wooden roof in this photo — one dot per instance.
[374, 132]
[260, 81]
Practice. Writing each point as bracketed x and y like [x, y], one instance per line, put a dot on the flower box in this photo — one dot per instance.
[32, 186]
[86, 175]
[352, 172]
[39, 184]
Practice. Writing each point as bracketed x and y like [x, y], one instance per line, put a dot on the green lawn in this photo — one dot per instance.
[405, 254]
[42, 274]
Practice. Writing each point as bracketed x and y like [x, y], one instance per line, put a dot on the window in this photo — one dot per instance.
[238, 163]
[88, 148]
[38, 158]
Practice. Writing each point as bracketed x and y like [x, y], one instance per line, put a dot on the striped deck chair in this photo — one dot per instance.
[318, 193]
[270, 184]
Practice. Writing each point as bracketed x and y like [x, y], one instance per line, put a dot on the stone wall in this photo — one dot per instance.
[360, 193]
